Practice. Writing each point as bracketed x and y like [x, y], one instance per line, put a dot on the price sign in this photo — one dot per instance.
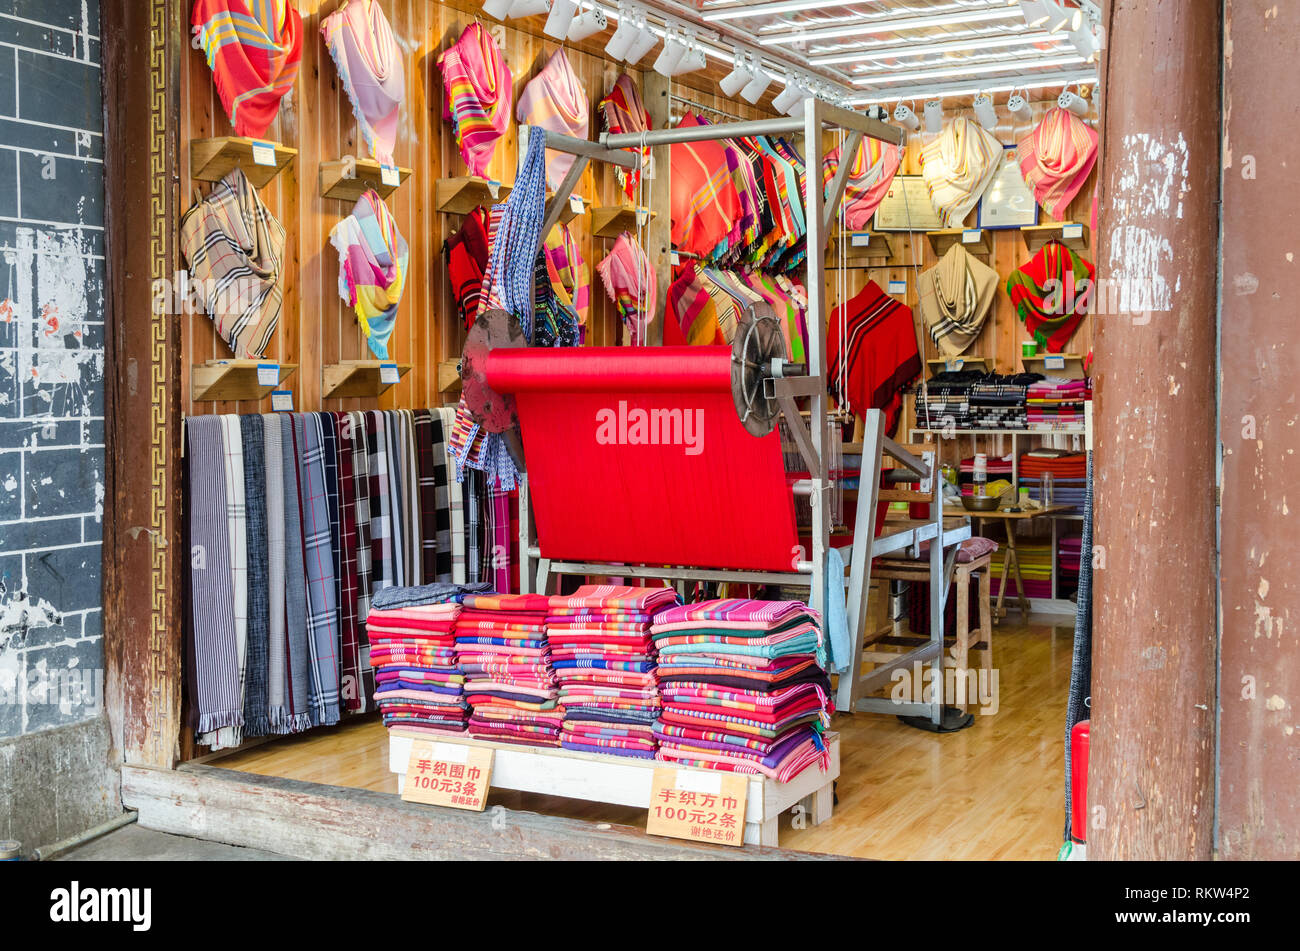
[494, 187]
[1053, 361]
[897, 288]
[859, 240]
[268, 374]
[1070, 232]
[263, 153]
[954, 364]
[448, 774]
[642, 215]
[388, 176]
[282, 401]
[575, 204]
[699, 806]
[971, 236]
[388, 373]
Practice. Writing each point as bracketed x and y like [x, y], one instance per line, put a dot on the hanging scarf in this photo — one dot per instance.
[298, 673]
[567, 271]
[234, 249]
[624, 112]
[872, 172]
[237, 532]
[369, 62]
[694, 308]
[957, 167]
[322, 606]
[253, 48]
[1050, 295]
[705, 206]
[875, 359]
[277, 655]
[255, 493]
[555, 100]
[466, 251]
[555, 322]
[955, 296]
[1056, 159]
[630, 283]
[372, 268]
[478, 89]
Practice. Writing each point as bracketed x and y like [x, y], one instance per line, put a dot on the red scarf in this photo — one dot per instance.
[253, 48]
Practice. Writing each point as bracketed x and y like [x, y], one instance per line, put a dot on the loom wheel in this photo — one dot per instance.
[495, 412]
[757, 343]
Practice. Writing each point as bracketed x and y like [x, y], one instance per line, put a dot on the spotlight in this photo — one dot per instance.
[1018, 106]
[588, 23]
[674, 49]
[693, 60]
[1073, 102]
[497, 9]
[645, 41]
[934, 116]
[1085, 42]
[621, 41]
[738, 78]
[801, 95]
[1035, 12]
[787, 96]
[529, 8]
[905, 117]
[985, 114]
[557, 24]
[1058, 18]
[757, 86]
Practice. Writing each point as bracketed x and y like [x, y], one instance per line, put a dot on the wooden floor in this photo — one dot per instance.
[993, 791]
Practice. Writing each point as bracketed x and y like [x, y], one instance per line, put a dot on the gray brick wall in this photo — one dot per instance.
[51, 364]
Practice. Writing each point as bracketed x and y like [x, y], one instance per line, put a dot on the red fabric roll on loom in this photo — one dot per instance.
[638, 455]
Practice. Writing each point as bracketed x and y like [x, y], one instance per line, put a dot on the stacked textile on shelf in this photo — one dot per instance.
[1054, 403]
[743, 687]
[997, 467]
[943, 401]
[502, 651]
[997, 401]
[1069, 553]
[1035, 560]
[604, 662]
[314, 514]
[1068, 471]
[412, 636]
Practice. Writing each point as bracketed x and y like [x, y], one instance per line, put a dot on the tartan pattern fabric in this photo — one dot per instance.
[353, 694]
[477, 91]
[1052, 293]
[1056, 159]
[322, 613]
[428, 496]
[256, 721]
[381, 531]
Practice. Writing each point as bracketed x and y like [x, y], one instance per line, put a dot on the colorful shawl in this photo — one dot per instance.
[695, 309]
[1056, 159]
[372, 268]
[957, 167]
[567, 271]
[478, 89]
[706, 208]
[624, 112]
[1052, 293]
[631, 284]
[253, 48]
[234, 249]
[872, 353]
[955, 296]
[555, 100]
[369, 62]
[467, 257]
[872, 172]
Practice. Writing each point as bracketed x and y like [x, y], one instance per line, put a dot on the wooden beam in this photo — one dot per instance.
[656, 92]
[314, 821]
[1151, 775]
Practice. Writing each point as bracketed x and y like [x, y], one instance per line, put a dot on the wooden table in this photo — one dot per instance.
[1012, 560]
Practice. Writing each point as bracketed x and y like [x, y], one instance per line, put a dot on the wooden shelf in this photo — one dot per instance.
[211, 160]
[1038, 364]
[939, 364]
[862, 244]
[233, 380]
[941, 241]
[1038, 235]
[365, 174]
[609, 221]
[461, 195]
[448, 375]
[357, 378]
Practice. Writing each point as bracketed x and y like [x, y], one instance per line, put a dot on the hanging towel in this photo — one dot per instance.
[623, 111]
[372, 268]
[212, 620]
[451, 539]
[631, 284]
[234, 249]
[1056, 159]
[873, 170]
[255, 498]
[365, 582]
[477, 88]
[253, 48]
[322, 610]
[428, 495]
[554, 100]
[237, 525]
[1051, 293]
[957, 167]
[706, 208]
[297, 651]
[369, 62]
[955, 297]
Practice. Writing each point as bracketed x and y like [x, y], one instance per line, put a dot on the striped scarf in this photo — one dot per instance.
[253, 48]
[478, 89]
[255, 504]
[567, 271]
[870, 176]
[555, 100]
[955, 297]
[298, 672]
[631, 284]
[466, 251]
[957, 167]
[369, 61]
[373, 258]
[1051, 294]
[237, 534]
[234, 249]
[1056, 159]
[322, 608]
[624, 112]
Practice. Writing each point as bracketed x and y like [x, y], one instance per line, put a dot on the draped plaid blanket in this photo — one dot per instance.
[297, 650]
[253, 48]
[567, 271]
[373, 258]
[322, 610]
[256, 722]
[555, 100]
[1056, 159]
[277, 654]
[234, 249]
[623, 111]
[1051, 293]
[354, 688]
[631, 284]
[477, 88]
[369, 61]
[237, 533]
[957, 167]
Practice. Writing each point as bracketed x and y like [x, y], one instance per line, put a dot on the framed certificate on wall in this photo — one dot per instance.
[906, 207]
[1008, 202]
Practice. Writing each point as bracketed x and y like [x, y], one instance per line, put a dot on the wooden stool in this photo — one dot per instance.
[965, 641]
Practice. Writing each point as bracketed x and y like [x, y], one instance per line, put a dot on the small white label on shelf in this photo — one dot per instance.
[263, 154]
[388, 373]
[282, 401]
[494, 187]
[860, 241]
[676, 258]
[388, 176]
[575, 204]
[268, 374]
[642, 215]
[954, 364]
[1053, 361]
[897, 287]
[971, 236]
[1069, 232]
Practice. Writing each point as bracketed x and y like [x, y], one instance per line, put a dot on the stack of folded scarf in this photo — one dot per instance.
[1068, 475]
[997, 401]
[417, 682]
[605, 664]
[1069, 552]
[502, 651]
[743, 687]
[1035, 560]
[943, 401]
[1057, 404]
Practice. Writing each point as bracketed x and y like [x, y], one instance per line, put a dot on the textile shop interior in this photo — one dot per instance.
[665, 384]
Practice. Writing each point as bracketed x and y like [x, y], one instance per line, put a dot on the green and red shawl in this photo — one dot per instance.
[1051, 293]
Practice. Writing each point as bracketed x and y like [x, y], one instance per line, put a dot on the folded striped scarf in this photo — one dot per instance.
[365, 52]
[253, 48]
[957, 167]
[477, 95]
[1056, 159]
[373, 258]
[554, 100]
[623, 112]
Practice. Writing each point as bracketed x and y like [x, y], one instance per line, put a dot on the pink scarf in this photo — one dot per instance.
[478, 90]
[1057, 158]
[555, 100]
[369, 62]
[869, 179]
[630, 283]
